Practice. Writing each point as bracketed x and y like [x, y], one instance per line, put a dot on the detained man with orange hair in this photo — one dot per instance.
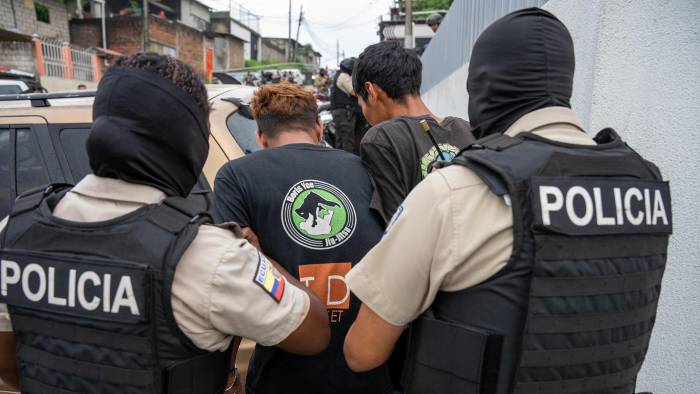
[309, 206]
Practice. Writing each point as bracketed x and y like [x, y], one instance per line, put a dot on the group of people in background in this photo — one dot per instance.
[453, 228]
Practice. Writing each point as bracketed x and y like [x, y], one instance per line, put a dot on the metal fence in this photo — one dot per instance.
[59, 60]
[54, 64]
[451, 47]
[82, 64]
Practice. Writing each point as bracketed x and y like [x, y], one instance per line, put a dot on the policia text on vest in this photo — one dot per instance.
[73, 287]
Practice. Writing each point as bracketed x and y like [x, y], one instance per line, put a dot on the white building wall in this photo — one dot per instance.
[638, 71]
[194, 14]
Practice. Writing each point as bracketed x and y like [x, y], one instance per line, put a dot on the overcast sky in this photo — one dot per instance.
[354, 23]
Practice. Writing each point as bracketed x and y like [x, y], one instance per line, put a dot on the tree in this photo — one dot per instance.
[427, 5]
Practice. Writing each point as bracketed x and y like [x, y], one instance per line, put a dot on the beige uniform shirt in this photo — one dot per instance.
[451, 232]
[344, 83]
[214, 296]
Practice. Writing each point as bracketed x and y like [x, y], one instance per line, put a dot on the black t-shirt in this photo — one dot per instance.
[398, 154]
[310, 208]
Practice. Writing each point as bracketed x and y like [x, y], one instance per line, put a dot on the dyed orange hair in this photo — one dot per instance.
[284, 106]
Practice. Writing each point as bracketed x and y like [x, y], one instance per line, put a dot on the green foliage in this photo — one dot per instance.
[42, 13]
[427, 5]
[257, 63]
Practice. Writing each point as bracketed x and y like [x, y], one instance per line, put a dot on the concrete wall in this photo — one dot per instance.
[53, 84]
[24, 20]
[638, 71]
[17, 55]
[194, 14]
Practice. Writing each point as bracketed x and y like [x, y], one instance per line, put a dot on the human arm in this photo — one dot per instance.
[223, 288]
[403, 260]
[370, 341]
[344, 83]
[308, 331]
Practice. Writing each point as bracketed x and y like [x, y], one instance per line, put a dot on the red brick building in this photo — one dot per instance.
[179, 28]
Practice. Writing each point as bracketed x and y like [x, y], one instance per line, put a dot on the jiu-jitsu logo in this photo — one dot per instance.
[318, 215]
[448, 153]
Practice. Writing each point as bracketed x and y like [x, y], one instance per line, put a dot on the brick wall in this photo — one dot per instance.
[190, 47]
[162, 31]
[25, 18]
[17, 55]
[86, 33]
[125, 34]
[236, 53]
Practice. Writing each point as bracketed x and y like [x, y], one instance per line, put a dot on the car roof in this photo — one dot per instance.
[79, 109]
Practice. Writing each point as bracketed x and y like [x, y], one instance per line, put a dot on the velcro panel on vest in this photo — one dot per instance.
[77, 286]
[437, 368]
[186, 377]
[599, 261]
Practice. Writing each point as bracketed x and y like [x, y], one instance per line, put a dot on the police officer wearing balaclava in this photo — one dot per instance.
[533, 264]
[119, 284]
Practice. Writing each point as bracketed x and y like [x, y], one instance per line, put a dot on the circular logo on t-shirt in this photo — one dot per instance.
[448, 153]
[318, 215]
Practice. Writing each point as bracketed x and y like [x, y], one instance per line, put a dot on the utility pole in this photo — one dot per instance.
[337, 51]
[301, 15]
[408, 36]
[145, 25]
[289, 34]
[103, 9]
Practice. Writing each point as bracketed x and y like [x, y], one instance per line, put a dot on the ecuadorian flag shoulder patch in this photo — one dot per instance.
[269, 279]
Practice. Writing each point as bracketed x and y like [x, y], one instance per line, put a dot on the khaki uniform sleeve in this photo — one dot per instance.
[451, 233]
[399, 277]
[344, 83]
[215, 294]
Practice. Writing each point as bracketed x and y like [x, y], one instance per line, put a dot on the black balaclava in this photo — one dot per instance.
[147, 130]
[520, 63]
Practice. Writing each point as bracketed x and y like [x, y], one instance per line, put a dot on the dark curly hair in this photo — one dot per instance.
[397, 70]
[182, 74]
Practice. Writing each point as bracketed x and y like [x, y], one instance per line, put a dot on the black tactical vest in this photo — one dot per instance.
[90, 302]
[573, 310]
[340, 99]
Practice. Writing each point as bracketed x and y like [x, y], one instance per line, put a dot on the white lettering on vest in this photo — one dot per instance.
[588, 205]
[619, 209]
[53, 299]
[600, 218]
[635, 220]
[105, 292]
[95, 279]
[7, 278]
[26, 274]
[125, 297]
[550, 206]
[659, 209]
[71, 288]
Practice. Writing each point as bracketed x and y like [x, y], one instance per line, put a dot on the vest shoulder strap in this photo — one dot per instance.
[32, 198]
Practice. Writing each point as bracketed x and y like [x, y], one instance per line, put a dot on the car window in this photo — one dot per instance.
[30, 166]
[243, 131]
[73, 144]
[10, 89]
[5, 197]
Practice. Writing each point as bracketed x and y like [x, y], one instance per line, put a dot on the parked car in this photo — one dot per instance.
[42, 141]
[14, 86]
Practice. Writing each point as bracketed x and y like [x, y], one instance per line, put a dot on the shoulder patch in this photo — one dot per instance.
[394, 218]
[267, 277]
